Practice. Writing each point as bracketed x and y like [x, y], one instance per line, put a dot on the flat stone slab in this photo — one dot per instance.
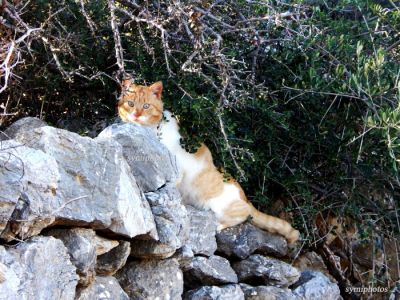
[245, 239]
[213, 270]
[261, 270]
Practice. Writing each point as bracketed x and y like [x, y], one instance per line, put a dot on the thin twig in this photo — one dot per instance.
[117, 38]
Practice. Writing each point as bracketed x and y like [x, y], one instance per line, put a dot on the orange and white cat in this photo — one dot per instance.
[200, 183]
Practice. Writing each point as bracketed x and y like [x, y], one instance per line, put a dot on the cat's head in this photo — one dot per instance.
[141, 104]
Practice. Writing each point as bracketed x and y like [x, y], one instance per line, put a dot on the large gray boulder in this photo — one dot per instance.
[152, 279]
[261, 270]
[226, 292]
[314, 285]
[155, 171]
[266, 293]
[38, 268]
[245, 239]
[26, 174]
[90, 185]
[203, 227]
[150, 161]
[103, 288]
[81, 246]
[213, 270]
[172, 225]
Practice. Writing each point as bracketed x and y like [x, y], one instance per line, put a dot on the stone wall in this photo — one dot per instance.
[101, 218]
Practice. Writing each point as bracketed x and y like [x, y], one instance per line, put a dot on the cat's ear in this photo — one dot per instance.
[126, 83]
[157, 88]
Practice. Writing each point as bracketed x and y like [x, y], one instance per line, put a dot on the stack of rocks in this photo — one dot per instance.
[101, 218]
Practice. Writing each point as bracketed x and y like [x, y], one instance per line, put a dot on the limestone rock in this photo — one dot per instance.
[24, 124]
[245, 239]
[213, 270]
[261, 270]
[172, 225]
[203, 227]
[26, 174]
[109, 263]
[81, 246]
[226, 292]
[151, 163]
[39, 268]
[86, 177]
[103, 288]
[314, 286]
[266, 293]
[152, 279]
[148, 249]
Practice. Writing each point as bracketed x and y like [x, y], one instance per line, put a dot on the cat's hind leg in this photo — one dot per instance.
[236, 213]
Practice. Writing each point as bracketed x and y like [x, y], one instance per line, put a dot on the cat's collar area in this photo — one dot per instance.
[167, 117]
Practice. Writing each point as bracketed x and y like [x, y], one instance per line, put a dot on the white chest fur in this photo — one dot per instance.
[189, 166]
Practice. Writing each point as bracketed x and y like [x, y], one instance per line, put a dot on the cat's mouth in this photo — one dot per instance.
[137, 119]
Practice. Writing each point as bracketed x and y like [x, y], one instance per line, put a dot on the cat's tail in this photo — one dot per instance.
[274, 225]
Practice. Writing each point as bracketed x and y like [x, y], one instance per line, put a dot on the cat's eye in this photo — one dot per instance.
[131, 104]
[146, 106]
